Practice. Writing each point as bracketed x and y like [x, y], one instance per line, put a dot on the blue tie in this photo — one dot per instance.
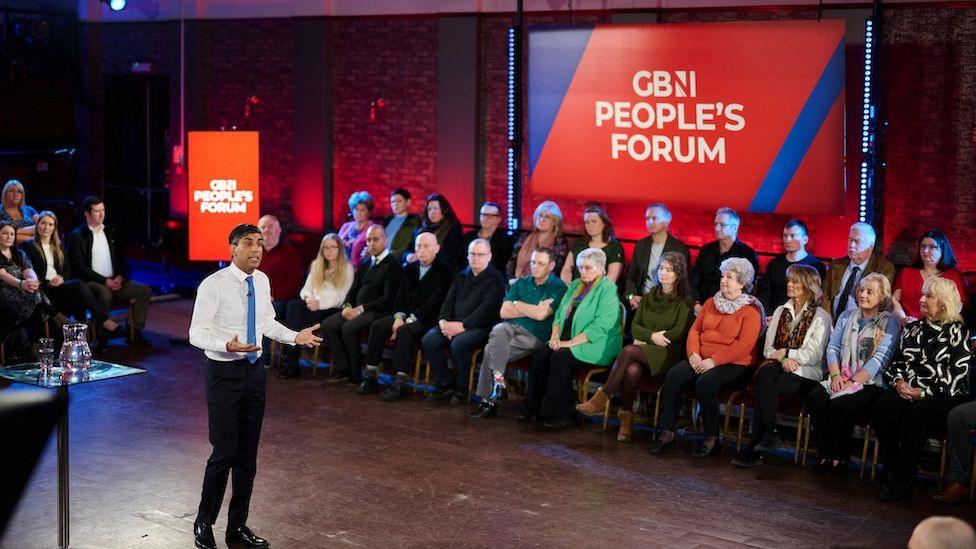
[252, 330]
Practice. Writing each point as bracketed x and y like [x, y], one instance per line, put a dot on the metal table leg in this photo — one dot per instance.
[63, 480]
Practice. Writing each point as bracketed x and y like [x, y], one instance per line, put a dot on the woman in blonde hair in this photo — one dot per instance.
[329, 279]
[16, 211]
[860, 347]
[548, 233]
[69, 296]
[928, 377]
[795, 342]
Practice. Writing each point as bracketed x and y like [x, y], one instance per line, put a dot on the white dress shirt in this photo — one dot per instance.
[329, 296]
[220, 313]
[101, 254]
[51, 272]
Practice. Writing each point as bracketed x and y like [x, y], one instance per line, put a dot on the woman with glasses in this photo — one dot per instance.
[934, 259]
[548, 233]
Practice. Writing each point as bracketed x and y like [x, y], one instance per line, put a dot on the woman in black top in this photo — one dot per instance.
[440, 219]
[22, 304]
[928, 376]
[69, 296]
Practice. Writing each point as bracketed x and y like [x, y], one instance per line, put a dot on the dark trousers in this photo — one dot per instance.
[461, 347]
[131, 289]
[834, 420]
[902, 426]
[681, 377]
[772, 385]
[408, 336]
[281, 311]
[962, 420]
[235, 409]
[298, 317]
[342, 336]
[550, 392]
[73, 298]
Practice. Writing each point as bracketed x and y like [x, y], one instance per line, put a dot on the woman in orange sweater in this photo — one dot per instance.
[721, 346]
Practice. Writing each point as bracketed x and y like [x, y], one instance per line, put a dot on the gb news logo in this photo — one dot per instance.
[223, 196]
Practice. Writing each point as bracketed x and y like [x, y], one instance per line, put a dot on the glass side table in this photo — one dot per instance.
[60, 379]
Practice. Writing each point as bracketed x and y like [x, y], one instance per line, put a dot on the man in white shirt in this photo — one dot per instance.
[96, 258]
[232, 312]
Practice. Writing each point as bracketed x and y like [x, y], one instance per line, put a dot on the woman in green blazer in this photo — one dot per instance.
[585, 333]
[660, 328]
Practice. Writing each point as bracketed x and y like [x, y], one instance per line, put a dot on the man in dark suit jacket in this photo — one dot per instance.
[843, 274]
[423, 285]
[371, 296]
[95, 257]
[642, 275]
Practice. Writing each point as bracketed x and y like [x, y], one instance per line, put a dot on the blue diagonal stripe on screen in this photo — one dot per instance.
[554, 56]
[802, 134]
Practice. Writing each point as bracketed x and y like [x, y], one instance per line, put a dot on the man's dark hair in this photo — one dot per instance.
[90, 202]
[402, 192]
[796, 223]
[490, 203]
[241, 231]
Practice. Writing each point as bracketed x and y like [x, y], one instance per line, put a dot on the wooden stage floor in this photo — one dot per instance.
[340, 470]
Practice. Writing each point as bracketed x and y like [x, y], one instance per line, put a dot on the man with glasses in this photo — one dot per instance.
[490, 229]
[706, 275]
[468, 313]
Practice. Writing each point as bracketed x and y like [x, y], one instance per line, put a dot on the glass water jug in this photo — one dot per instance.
[75, 352]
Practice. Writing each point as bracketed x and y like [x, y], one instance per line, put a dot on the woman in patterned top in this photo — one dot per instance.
[928, 376]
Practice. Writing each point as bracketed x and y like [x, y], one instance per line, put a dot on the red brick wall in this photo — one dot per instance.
[240, 58]
[394, 59]
[931, 147]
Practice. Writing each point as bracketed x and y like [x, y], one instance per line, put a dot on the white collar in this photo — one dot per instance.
[96, 228]
[237, 273]
[381, 257]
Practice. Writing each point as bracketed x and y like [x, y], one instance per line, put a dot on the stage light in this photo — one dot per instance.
[510, 179]
[868, 127]
[115, 5]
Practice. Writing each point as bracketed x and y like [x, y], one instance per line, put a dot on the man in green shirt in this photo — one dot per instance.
[527, 323]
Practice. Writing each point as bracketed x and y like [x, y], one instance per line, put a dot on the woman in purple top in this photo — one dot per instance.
[353, 233]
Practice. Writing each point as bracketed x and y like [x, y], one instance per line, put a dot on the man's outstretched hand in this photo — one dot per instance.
[308, 338]
[235, 346]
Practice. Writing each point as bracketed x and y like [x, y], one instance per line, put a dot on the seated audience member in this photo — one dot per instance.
[649, 251]
[329, 279]
[423, 285]
[547, 233]
[795, 342]
[586, 332]
[959, 430]
[283, 265]
[860, 347]
[401, 224]
[706, 274]
[469, 311]
[526, 324]
[928, 376]
[772, 286]
[95, 257]
[598, 233]
[935, 259]
[353, 233]
[660, 330]
[721, 347]
[371, 296]
[69, 296]
[16, 211]
[491, 230]
[22, 304]
[844, 274]
[441, 219]
[943, 533]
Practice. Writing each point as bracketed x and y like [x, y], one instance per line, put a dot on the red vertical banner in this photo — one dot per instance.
[223, 189]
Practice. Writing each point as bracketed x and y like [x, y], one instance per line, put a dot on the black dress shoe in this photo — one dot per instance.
[367, 387]
[394, 392]
[441, 393]
[557, 424]
[289, 374]
[747, 458]
[458, 398]
[484, 410]
[658, 446]
[242, 535]
[702, 450]
[203, 536]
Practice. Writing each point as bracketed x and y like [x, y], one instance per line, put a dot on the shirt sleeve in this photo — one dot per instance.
[769, 345]
[204, 310]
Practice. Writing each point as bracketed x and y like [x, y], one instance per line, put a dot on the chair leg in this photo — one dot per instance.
[864, 450]
[657, 411]
[606, 413]
[132, 327]
[742, 423]
[874, 459]
[942, 461]
[806, 440]
[416, 370]
[471, 372]
[799, 436]
[315, 360]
